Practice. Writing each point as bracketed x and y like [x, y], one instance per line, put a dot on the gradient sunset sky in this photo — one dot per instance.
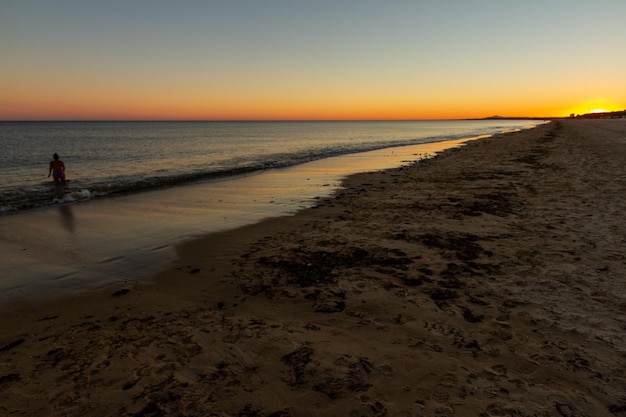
[318, 59]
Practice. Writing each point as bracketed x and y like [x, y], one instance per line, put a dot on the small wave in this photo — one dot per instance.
[42, 197]
[73, 196]
[15, 198]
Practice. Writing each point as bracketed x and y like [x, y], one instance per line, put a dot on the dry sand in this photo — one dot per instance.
[488, 281]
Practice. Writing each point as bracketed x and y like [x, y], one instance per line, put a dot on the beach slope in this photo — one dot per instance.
[487, 281]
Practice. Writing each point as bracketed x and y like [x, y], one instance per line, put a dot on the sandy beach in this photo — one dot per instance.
[487, 281]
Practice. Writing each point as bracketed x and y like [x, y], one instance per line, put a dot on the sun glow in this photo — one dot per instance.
[600, 106]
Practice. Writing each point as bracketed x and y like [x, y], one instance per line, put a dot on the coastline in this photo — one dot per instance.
[489, 279]
[118, 241]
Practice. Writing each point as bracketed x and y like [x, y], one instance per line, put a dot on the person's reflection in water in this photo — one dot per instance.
[67, 218]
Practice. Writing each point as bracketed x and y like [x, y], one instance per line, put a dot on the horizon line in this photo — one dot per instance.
[286, 120]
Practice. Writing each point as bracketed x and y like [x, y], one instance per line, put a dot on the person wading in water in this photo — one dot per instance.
[57, 169]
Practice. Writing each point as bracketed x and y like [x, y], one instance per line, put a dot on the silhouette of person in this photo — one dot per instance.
[57, 169]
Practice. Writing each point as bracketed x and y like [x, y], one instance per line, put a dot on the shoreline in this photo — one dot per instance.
[126, 239]
[489, 279]
[191, 161]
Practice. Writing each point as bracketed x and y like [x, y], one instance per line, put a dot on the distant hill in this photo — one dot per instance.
[496, 117]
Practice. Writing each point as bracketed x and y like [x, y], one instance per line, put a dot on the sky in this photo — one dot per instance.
[310, 60]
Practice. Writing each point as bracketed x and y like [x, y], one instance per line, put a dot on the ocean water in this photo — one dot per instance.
[109, 158]
[137, 190]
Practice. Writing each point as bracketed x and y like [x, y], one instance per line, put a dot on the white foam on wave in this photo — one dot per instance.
[79, 195]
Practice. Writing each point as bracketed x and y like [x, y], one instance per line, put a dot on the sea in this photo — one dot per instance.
[104, 159]
[135, 191]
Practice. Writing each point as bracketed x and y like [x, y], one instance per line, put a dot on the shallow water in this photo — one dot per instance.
[107, 158]
[123, 239]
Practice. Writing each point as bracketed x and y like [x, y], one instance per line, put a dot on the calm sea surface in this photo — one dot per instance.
[205, 177]
[106, 158]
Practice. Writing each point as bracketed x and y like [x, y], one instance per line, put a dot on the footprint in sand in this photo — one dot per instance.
[497, 370]
[448, 381]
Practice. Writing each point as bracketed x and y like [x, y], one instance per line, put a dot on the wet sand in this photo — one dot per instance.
[488, 281]
[125, 239]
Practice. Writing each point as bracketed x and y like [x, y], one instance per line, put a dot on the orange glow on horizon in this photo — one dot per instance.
[168, 106]
[155, 111]
[129, 100]
[45, 102]
[596, 107]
